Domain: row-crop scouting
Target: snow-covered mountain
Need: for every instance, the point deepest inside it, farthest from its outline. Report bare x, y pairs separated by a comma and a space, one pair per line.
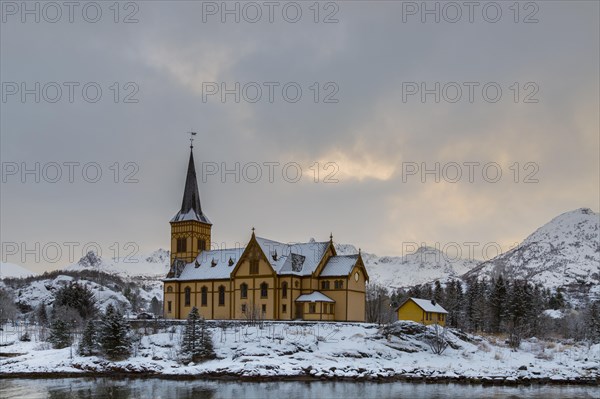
12, 270
154, 265
563, 252
422, 266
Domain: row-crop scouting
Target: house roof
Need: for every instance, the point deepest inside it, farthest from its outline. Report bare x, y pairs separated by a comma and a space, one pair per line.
340, 265
314, 296
425, 304
190, 204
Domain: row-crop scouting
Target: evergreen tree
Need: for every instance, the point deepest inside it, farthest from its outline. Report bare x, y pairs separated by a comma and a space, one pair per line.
155, 306
60, 334
88, 344
438, 293
498, 304
114, 334
42, 314
196, 342
593, 321
78, 297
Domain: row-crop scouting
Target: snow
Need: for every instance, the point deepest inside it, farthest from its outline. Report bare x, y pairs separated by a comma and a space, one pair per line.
422, 266
314, 296
213, 264
553, 313
428, 305
565, 251
155, 264
340, 265
12, 270
322, 350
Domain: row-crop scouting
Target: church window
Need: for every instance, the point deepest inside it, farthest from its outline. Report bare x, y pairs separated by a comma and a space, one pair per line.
284, 308
244, 291
188, 295
169, 289
201, 244
254, 266
324, 285
169, 306
264, 290
204, 296
264, 308
338, 284
284, 290
312, 308
243, 308
221, 296
181, 245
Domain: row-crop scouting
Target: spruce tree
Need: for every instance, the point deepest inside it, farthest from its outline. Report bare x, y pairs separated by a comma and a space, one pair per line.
498, 304
114, 334
196, 342
78, 297
88, 344
60, 334
42, 314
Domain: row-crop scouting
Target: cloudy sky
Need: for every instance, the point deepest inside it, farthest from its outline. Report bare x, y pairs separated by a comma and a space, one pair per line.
384, 97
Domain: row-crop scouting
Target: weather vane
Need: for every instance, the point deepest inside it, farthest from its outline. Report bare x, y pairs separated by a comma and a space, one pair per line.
192, 134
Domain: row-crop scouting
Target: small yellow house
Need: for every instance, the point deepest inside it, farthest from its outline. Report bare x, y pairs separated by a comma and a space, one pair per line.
422, 311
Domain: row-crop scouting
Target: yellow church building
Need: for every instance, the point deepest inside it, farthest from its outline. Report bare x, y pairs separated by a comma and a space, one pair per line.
266, 279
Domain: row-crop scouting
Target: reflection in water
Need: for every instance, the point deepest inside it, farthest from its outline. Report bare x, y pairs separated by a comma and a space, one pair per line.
88, 388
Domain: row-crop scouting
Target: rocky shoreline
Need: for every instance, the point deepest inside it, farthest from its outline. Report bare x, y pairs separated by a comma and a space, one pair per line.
308, 376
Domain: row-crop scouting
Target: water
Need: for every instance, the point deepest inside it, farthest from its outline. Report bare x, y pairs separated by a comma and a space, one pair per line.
169, 389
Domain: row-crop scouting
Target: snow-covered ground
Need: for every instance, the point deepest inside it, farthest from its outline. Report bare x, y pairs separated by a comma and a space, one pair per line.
323, 350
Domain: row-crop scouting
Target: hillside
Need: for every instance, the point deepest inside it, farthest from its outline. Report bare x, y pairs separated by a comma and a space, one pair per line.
563, 252
155, 264
11, 270
423, 266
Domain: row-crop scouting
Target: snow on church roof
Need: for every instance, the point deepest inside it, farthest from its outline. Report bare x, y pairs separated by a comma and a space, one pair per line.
339, 265
298, 259
314, 296
212, 265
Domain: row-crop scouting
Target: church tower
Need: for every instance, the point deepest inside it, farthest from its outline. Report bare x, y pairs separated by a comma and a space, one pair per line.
190, 228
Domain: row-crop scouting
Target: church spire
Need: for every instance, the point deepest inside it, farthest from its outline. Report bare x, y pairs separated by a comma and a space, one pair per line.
190, 205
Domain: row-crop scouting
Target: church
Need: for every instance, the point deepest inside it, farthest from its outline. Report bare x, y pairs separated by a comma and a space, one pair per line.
266, 279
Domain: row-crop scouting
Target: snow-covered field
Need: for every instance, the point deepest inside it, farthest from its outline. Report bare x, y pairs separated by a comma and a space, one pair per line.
322, 350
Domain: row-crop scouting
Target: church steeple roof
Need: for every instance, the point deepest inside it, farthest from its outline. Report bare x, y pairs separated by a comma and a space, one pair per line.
190, 205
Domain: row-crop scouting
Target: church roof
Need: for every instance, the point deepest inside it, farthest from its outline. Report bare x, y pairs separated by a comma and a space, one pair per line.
190, 205
299, 259
212, 265
340, 265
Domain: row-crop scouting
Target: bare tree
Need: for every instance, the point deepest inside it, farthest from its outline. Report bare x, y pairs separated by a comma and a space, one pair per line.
438, 342
379, 305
